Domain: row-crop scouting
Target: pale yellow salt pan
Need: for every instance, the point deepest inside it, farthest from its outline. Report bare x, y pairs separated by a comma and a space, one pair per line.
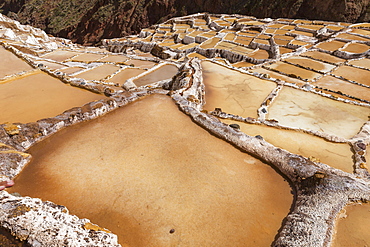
163, 73
99, 72
233, 91
297, 108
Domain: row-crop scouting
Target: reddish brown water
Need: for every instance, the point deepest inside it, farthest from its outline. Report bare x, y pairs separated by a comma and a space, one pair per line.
323, 57
353, 230
11, 64
146, 168
38, 96
294, 70
310, 63
331, 45
337, 155
354, 74
356, 48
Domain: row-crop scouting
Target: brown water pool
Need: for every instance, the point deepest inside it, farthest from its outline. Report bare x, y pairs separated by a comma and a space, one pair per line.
149, 174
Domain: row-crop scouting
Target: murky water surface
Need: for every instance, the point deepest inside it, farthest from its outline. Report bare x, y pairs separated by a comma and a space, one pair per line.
310, 63
294, 71
337, 155
11, 64
260, 54
71, 70
331, 45
354, 229
38, 96
323, 57
234, 92
115, 59
354, 74
356, 48
148, 169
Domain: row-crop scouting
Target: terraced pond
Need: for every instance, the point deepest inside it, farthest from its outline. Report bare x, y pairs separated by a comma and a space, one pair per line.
160, 173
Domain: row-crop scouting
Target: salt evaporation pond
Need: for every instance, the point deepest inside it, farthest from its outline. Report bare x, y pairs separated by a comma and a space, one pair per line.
153, 177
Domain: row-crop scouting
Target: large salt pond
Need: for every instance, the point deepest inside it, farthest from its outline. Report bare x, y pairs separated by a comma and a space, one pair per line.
37, 96
11, 64
153, 177
338, 155
233, 91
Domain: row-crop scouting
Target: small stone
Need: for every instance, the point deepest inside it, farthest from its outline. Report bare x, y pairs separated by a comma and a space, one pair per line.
235, 126
172, 231
314, 159
92, 227
259, 137
11, 129
108, 92
361, 153
217, 110
361, 145
16, 194
363, 166
193, 98
320, 175
307, 86
264, 110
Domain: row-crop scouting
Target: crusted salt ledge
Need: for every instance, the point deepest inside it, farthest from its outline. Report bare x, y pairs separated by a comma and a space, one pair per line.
47, 224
